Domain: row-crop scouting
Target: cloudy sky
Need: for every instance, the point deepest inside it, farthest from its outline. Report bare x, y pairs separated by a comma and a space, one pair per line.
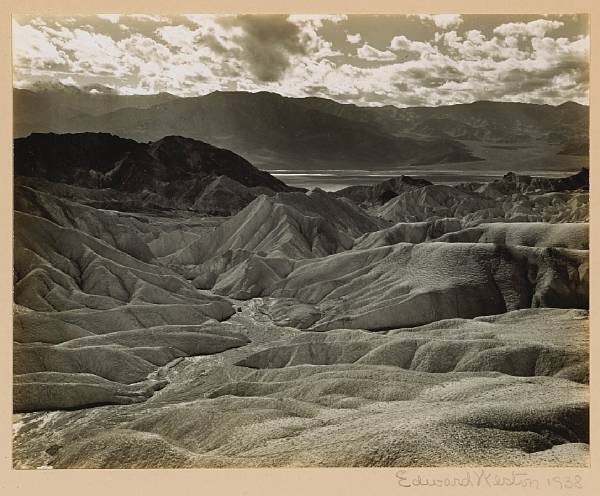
367, 60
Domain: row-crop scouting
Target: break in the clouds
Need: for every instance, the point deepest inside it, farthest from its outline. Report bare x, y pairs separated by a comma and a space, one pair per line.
368, 60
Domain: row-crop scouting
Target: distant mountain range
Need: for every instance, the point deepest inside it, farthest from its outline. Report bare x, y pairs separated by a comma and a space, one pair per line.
482, 120
276, 132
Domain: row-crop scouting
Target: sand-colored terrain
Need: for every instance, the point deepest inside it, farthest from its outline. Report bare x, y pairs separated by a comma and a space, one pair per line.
433, 325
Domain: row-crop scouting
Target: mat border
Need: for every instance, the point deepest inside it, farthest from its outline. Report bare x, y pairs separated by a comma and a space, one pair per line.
280, 481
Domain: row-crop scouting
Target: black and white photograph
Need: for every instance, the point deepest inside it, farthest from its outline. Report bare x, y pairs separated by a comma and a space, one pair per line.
300, 240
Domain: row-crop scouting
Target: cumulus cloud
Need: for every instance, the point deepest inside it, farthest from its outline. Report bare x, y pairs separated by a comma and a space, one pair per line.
178, 36
316, 47
304, 55
401, 44
367, 52
354, 39
34, 49
536, 28
92, 52
443, 21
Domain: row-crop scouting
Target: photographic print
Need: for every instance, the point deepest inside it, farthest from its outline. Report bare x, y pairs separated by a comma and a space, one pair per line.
290, 240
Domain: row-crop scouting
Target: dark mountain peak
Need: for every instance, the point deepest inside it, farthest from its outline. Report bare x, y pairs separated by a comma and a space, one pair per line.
407, 180
65, 157
87, 142
177, 141
187, 154
95, 146
267, 94
245, 94
81, 137
316, 191
512, 182
508, 103
498, 104
571, 105
582, 178
175, 168
382, 192
483, 102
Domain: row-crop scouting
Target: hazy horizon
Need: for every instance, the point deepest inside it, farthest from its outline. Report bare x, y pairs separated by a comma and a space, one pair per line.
87, 90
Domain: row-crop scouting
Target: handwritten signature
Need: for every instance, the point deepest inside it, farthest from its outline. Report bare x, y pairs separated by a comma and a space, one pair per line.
487, 478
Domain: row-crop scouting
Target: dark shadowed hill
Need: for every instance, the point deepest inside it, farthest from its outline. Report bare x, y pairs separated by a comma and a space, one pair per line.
382, 192
522, 184
172, 172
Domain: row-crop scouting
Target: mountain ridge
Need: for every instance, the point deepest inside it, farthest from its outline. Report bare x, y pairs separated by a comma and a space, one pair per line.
276, 132
86, 90
184, 172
